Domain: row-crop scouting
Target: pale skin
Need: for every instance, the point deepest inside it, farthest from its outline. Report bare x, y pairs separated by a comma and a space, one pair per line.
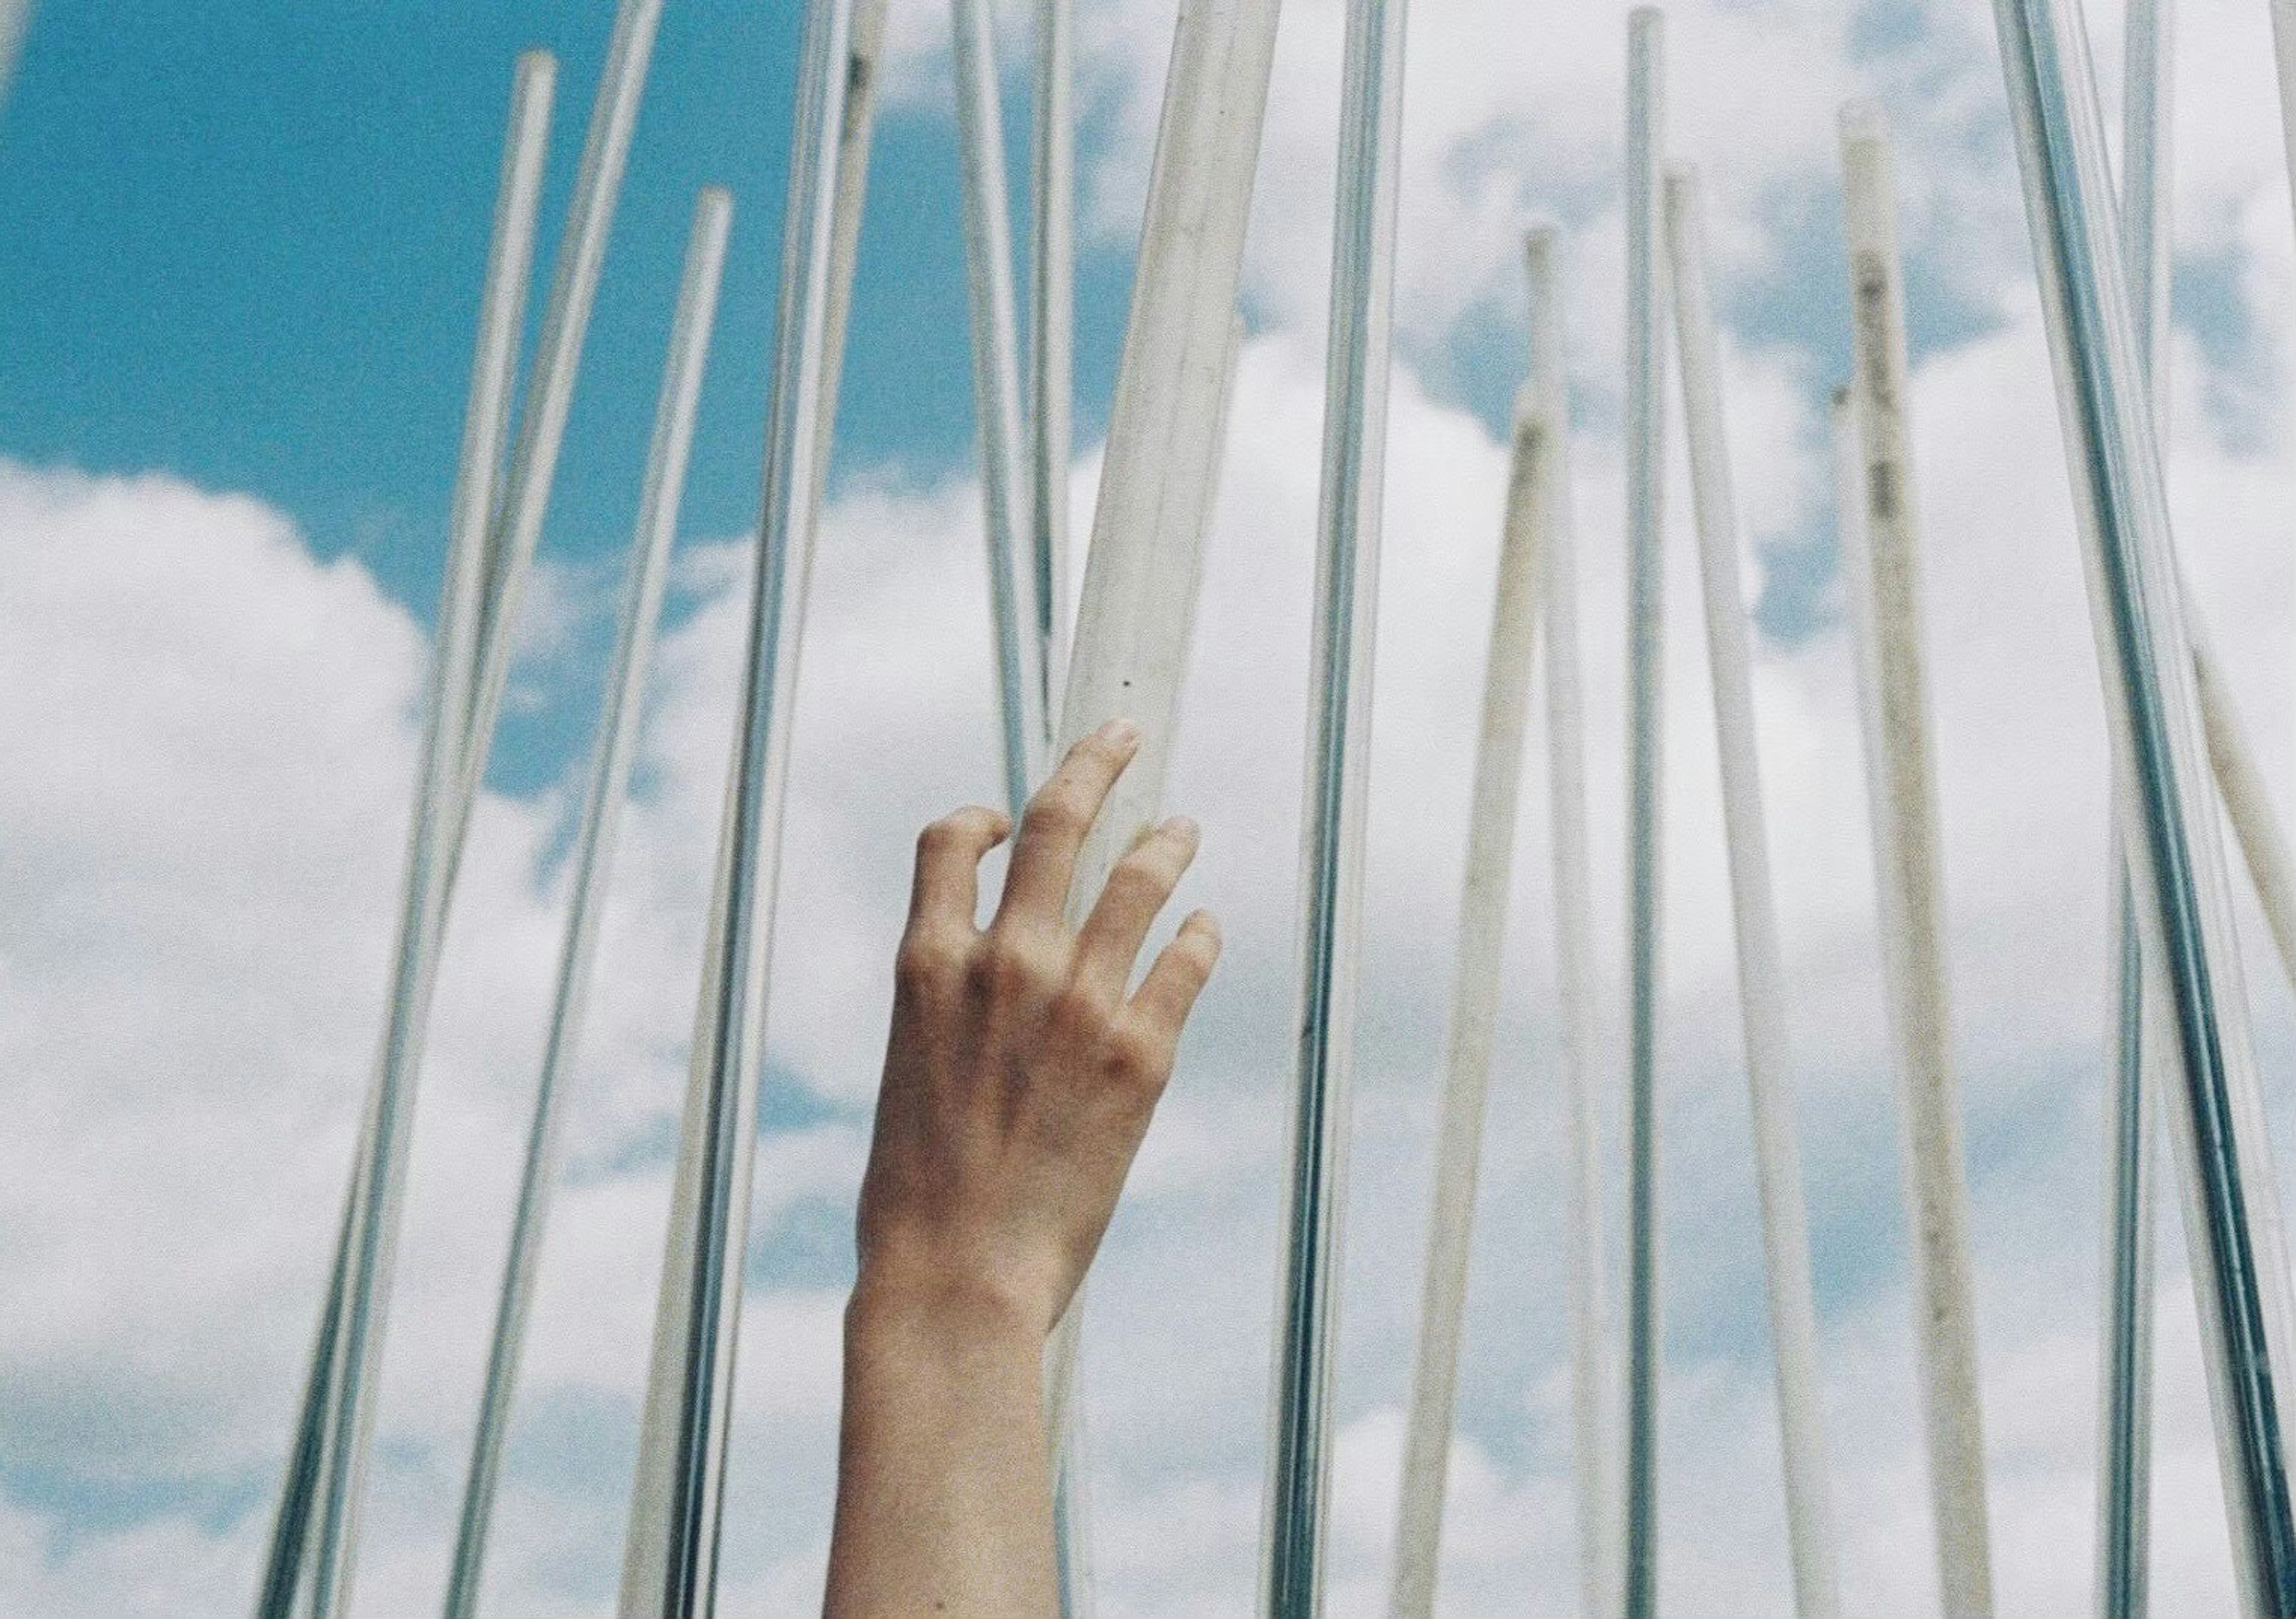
1020, 1078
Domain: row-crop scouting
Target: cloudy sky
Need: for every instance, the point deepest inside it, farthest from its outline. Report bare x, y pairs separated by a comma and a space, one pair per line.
239, 257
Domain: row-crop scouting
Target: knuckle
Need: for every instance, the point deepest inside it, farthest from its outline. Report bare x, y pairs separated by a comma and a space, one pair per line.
1058, 812
1137, 1058
928, 959
1016, 969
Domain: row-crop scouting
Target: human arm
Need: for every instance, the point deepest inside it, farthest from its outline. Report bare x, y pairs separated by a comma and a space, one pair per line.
1019, 1079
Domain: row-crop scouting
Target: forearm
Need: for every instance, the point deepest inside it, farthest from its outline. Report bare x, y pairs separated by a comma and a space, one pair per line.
943, 1504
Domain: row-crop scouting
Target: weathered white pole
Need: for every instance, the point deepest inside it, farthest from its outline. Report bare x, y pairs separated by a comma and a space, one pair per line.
671, 1564
1339, 755
1160, 470
996, 401
2125, 1377
1549, 392
15, 23
593, 855
1761, 959
485, 428
865, 55
1911, 879
1051, 322
1474, 1017
2182, 895
1645, 762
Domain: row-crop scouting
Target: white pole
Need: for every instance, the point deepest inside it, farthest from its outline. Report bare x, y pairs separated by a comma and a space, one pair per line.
1912, 880
2125, 1378
864, 59
671, 1564
15, 23
1160, 470
485, 427
1052, 320
1339, 754
1574, 950
996, 400
2231, 1216
593, 855
1645, 762
1474, 1017
1761, 959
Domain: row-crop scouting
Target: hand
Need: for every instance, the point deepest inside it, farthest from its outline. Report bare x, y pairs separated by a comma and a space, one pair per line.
1020, 1077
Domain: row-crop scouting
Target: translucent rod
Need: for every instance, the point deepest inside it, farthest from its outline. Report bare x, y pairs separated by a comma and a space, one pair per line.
1911, 879
1761, 959
1339, 757
2284, 56
2182, 895
1574, 951
1474, 1017
672, 1560
517, 527
1052, 321
1645, 739
15, 23
996, 401
865, 54
594, 855
494, 367
2132, 1042
1161, 467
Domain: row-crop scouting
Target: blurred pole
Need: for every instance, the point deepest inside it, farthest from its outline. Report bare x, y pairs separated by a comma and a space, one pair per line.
2125, 1379
1911, 879
1474, 1018
1549, 392
1160, 471
15, 23
509, 263
864, 58
1052, 321
1645, 750
2181, 892
1761, 957
670, 1565
594, 855
1339, 755
996, 401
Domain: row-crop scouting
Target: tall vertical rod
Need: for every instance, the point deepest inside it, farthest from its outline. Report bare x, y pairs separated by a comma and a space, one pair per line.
510, 262
1161, 471
1338, 752
593, 855
2125, 1379
1051, 328
1645, 739
997, 399
682, 1497
1761, 957
15, 23
1474, 1017
1591, 1366
2183, 900
865, 57
1909, 856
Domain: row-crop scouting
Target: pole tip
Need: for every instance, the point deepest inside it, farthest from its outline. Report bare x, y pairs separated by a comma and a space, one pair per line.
1863, 120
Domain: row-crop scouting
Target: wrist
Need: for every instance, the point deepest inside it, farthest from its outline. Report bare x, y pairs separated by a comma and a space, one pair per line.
922, 1307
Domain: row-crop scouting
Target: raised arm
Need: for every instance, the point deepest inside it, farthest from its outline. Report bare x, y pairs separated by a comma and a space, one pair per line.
1019, 1080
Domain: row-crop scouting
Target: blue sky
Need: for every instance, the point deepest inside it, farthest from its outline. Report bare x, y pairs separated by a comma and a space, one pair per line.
239, 261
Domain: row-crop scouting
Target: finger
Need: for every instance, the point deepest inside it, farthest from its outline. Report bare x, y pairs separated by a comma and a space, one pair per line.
1167, 995
947, 891
1136, 891
1056, 822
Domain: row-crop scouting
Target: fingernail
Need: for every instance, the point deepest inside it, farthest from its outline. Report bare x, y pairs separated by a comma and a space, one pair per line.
1120, 733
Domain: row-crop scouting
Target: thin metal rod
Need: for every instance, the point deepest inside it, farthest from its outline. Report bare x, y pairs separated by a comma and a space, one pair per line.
485, 428
2284, 57
15, 23
1051, 322
2247, 800
1474, 1019
1331, 853
1549, 393
2183, 901
593, 855
1160, 471
996, 401
673, 1562
1645, 762
1911, 880
2125, 1379
864, 56
1761, 957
